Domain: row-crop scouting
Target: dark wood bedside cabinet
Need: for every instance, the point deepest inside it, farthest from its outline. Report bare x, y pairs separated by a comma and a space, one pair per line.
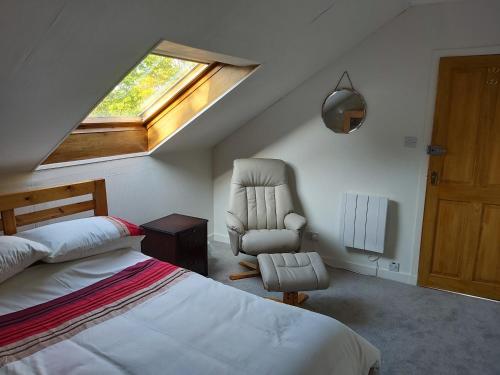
178, 239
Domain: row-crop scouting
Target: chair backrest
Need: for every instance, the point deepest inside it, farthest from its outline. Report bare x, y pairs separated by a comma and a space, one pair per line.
260, 196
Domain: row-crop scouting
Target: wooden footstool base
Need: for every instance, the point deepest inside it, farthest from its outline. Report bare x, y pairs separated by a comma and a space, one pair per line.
292, 298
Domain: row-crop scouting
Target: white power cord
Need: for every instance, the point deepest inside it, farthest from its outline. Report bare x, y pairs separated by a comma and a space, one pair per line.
374, 258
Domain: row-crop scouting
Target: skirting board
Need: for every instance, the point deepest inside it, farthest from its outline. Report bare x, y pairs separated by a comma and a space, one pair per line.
219, 237
370, 270
364, 269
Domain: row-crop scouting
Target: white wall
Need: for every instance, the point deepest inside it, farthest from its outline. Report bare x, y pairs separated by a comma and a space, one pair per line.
139, 189
395, 69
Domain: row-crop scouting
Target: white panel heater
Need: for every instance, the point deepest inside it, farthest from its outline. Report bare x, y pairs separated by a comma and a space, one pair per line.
365, 217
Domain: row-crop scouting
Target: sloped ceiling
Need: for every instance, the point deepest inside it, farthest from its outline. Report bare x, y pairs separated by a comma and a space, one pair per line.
59, 57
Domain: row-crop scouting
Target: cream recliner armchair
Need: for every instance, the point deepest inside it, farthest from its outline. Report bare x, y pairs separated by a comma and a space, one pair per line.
260, 217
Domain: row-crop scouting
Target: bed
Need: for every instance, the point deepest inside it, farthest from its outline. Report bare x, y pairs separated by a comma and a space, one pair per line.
122, 312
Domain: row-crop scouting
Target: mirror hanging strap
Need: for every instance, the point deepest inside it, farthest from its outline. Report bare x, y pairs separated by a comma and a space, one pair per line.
346, 73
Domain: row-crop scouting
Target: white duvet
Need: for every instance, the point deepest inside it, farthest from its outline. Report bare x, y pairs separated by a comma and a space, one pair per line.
197, 326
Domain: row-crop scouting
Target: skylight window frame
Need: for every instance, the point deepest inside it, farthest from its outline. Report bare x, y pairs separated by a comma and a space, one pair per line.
109, 138
147, 115
175, 91
91, 143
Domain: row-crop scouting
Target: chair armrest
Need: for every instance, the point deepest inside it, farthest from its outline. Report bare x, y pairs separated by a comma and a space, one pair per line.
233, 223
294, 221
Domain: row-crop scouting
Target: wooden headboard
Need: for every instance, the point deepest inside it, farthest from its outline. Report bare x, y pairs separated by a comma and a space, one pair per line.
9, 202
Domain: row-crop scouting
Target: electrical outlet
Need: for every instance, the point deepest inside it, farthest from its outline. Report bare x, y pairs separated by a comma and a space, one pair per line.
394, 266
411, 141
312, 236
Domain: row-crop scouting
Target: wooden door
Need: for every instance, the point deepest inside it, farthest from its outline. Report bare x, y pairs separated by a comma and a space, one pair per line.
461, 231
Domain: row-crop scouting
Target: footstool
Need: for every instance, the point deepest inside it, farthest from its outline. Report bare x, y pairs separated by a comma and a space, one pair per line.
291, 273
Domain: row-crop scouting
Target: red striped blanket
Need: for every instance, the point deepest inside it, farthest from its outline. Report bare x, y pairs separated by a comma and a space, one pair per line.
25, 332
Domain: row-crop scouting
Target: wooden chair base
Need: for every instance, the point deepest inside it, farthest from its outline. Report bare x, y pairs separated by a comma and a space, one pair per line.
254, 271
292, 298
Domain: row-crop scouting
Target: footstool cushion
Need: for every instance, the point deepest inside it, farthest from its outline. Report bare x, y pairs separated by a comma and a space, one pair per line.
293, 272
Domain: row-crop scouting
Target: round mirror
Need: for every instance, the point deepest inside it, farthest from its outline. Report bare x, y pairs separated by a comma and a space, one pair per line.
344, 111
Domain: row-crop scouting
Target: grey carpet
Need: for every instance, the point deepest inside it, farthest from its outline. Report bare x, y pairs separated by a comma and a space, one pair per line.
418, 330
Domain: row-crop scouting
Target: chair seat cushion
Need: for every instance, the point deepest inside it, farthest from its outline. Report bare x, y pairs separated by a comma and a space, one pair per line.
293, 272
258, 241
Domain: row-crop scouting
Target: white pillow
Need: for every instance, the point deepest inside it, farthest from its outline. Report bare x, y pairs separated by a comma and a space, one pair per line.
133, 242
18, 253
74, 239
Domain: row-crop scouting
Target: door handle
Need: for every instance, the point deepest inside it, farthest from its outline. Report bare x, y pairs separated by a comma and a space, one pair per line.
434, 178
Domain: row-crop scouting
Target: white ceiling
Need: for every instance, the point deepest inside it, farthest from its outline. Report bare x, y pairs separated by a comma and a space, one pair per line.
59, 57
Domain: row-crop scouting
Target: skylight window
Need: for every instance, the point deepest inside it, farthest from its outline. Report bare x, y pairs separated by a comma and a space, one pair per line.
144, 90
162, 94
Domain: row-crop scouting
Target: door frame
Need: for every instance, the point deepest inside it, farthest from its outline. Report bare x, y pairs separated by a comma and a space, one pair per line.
427, 139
